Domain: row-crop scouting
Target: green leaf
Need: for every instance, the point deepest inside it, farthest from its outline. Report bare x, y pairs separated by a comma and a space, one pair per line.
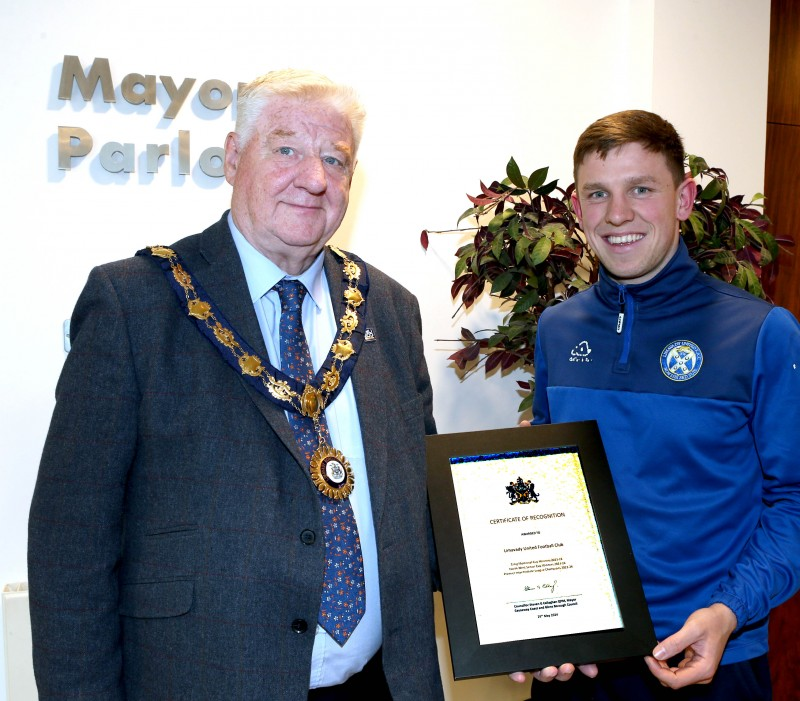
722, 221
515, 330
514, 174
526, 301
497, 244
725, 257
697, 164
501, 282
753, 230
466, 250
555, 231
496, 339
495, 223
697, 222
541, 250
771, 244
537, 178
498, 220
461, 266
526, 403
547, 189
739, 238
753, 283
468, 213
578, 283
521, 249
711, 190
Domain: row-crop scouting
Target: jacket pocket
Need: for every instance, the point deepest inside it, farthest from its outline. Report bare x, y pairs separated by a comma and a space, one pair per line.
156, 599
158, 570
160, 555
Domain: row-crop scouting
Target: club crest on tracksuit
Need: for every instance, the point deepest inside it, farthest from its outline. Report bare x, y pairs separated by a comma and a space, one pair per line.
681, 360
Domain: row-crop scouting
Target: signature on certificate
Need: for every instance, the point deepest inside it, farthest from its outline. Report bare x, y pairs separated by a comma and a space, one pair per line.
546, 585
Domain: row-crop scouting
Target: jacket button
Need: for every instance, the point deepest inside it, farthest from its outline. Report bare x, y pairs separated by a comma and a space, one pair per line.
299, 625
308, 537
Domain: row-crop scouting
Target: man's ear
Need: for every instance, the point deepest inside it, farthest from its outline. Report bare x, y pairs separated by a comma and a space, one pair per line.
576, 205
687, 191
231, 161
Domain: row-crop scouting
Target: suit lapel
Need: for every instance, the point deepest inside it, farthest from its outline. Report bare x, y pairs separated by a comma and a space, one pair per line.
219, 270
371, 417
217, 267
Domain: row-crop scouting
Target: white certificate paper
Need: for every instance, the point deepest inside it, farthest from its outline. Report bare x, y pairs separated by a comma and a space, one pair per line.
534, 555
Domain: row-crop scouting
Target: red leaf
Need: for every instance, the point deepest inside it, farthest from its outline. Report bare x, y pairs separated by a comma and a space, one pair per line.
458, 360
458, 283
508, 360
493, 361
478, 201
488, 192
473, 291
423, 239
471, 352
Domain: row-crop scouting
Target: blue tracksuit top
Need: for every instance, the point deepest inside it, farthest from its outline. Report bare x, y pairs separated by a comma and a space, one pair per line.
695, 385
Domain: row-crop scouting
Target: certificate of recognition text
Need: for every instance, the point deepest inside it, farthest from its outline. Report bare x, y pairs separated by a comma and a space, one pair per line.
534, 554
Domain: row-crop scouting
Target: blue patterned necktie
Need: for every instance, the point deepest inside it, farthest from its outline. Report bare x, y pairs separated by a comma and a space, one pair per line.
343, 594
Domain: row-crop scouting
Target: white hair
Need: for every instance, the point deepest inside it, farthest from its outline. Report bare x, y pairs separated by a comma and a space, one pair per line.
254, 97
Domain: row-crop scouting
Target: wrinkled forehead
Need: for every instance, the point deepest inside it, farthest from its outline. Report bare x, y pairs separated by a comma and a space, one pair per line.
318, 120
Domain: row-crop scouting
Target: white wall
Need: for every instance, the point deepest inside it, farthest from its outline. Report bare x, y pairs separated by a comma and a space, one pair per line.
710, 69
453, 89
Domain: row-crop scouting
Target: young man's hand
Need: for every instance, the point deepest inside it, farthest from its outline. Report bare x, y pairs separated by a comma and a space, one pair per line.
562, 673
702, 640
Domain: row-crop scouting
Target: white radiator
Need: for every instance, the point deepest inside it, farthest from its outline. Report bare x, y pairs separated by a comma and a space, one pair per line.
20, 684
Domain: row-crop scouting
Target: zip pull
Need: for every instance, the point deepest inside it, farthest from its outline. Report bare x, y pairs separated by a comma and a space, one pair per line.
621, 315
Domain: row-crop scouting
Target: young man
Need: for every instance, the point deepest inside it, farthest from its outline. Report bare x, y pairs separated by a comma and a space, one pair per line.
214, 453
694, 385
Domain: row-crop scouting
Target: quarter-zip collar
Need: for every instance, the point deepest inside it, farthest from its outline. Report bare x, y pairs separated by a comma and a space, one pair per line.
661, 290
647, 298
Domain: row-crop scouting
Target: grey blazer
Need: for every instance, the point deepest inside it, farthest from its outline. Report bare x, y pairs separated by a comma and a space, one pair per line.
175, 547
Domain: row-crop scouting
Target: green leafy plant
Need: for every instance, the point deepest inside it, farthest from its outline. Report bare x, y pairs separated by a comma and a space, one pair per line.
726, 237
528, 250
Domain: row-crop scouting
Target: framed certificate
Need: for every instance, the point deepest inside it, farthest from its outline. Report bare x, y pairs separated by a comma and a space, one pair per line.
535, 561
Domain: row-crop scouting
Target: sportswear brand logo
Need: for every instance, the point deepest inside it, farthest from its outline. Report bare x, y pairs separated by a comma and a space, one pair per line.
581, 353
681, 360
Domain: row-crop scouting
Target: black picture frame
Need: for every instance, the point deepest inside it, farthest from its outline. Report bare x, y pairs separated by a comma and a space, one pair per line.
471, 659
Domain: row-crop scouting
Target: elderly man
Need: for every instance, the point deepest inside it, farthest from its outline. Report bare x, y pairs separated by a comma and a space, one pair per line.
231, 501
694, 385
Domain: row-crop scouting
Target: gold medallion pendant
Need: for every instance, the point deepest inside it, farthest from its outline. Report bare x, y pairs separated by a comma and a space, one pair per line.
331, 472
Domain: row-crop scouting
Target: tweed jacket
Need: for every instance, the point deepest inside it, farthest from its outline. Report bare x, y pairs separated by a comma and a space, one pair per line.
175, 536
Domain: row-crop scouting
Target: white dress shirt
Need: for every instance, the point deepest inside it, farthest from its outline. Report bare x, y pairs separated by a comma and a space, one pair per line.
330, 663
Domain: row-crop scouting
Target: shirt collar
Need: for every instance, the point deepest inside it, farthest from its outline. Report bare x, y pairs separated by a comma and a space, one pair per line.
261, 273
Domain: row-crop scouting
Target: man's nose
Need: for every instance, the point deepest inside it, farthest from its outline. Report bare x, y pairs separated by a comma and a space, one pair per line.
619, 211
311, 175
